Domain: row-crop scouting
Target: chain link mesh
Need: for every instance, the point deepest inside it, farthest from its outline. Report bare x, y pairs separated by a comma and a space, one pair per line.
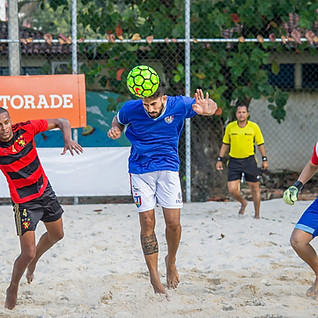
266, 57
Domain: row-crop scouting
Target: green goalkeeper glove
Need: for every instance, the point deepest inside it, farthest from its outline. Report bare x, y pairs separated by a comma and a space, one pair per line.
291, 194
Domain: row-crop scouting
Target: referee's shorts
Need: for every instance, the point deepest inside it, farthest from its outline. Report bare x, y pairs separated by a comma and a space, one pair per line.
248, 166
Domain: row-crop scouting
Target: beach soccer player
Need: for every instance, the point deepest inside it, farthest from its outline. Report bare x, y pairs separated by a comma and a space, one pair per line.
153, 126
306, 228
32, 196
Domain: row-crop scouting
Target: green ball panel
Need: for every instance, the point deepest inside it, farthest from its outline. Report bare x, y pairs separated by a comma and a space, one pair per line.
147, 85
139, 80
154, 78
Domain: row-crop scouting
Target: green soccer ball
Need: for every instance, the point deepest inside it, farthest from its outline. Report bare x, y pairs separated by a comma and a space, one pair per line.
143, 81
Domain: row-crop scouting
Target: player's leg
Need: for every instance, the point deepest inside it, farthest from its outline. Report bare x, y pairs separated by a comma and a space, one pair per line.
252, 177
235, 169
27, 245
305, 230
173, 235
300, 242
150, 248
234, 190
143, 190
169, 196
52, 212
53, 234
254, 186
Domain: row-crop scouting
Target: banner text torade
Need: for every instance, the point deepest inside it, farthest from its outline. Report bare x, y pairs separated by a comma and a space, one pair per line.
36, 102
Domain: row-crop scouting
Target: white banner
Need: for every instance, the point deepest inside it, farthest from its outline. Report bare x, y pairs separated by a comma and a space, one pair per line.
96, 172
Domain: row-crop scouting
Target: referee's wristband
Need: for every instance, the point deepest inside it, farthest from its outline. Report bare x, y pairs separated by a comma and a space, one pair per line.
220, 158
264, 158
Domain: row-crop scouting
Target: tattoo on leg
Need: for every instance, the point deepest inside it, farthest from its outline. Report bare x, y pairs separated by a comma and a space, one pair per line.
149, 244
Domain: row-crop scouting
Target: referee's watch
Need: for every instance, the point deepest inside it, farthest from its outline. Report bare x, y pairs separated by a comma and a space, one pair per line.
264, 158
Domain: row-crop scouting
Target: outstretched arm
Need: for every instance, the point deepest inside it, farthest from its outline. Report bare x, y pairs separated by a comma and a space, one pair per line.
116, 130
308, 172
65, 127
291, 194
204, 105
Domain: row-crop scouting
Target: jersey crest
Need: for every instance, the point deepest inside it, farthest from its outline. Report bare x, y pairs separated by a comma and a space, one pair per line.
169, 119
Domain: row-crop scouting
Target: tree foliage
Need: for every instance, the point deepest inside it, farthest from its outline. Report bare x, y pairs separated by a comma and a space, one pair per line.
228, 73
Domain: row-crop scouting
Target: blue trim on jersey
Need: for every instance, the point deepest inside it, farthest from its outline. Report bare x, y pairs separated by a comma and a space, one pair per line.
155, 141
305, 228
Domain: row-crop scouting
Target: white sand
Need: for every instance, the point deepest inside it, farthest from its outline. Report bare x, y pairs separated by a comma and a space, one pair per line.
229, 266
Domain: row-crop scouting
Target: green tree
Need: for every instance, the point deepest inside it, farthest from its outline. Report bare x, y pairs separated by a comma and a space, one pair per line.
230, 72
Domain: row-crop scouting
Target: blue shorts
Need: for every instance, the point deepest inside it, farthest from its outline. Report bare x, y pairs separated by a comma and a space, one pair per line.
308, 222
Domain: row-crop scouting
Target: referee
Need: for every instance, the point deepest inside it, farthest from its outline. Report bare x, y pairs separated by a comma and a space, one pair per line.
239, 139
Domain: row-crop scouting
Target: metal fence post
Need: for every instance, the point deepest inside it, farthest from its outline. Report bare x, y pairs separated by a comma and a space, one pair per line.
74, 61
187, 92
14, 44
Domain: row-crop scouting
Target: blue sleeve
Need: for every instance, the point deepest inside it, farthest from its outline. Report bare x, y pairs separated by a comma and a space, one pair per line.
122, 115
188, 102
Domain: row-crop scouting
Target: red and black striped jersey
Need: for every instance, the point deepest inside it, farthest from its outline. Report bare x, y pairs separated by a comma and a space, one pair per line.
20, 163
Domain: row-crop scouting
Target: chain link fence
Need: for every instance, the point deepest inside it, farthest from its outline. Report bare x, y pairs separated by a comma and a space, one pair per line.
265, 56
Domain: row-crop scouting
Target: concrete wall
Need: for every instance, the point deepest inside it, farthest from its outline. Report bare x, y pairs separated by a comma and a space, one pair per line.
289, 144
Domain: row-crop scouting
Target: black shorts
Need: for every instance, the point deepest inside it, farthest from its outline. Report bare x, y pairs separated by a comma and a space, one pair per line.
248, 166
45, 208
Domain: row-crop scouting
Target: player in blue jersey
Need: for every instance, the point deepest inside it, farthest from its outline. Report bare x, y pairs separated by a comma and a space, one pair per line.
306, 228
154, 126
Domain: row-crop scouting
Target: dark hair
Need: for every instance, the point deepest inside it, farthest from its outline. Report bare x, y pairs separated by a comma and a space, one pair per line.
159, 92
3, 110
241, 104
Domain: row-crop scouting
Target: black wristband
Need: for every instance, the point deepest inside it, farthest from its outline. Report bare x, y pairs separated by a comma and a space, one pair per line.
299, 185
220, 158
264, 158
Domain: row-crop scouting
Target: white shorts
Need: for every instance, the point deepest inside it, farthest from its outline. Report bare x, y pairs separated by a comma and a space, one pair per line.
162, 187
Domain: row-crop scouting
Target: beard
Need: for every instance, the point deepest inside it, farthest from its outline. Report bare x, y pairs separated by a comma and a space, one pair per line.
156, 114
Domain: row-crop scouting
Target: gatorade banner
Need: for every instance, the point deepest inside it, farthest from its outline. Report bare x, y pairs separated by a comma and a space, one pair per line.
45, 96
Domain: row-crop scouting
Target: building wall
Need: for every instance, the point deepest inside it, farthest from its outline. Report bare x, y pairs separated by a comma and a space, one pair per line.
289, 144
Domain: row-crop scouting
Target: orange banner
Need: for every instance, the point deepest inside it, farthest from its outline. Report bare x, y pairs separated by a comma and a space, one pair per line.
44, 97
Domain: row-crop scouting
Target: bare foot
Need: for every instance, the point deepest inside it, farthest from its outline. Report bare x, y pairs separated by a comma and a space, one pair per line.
243, 206
158, 287
11, 299
29, 275
256, 216
312, 290
172, 274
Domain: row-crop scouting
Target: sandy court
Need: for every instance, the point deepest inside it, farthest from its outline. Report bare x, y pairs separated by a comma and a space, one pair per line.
229, 266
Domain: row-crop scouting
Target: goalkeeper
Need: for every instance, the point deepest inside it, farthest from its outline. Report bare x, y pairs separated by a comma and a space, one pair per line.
307, 227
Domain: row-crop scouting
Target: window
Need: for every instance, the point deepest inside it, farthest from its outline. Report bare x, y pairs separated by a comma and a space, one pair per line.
309, 75
61, 68
285, 78
295, 76
26, 70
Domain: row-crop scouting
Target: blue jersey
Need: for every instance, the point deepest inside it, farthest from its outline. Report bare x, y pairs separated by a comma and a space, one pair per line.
155, 140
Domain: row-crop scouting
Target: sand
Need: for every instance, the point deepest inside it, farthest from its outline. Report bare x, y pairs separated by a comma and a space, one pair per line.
229, 266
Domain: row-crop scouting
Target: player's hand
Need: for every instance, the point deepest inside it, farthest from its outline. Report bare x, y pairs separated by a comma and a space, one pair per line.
219, 165
291, 195
204, 105
114, 133
264, 165
72, 146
